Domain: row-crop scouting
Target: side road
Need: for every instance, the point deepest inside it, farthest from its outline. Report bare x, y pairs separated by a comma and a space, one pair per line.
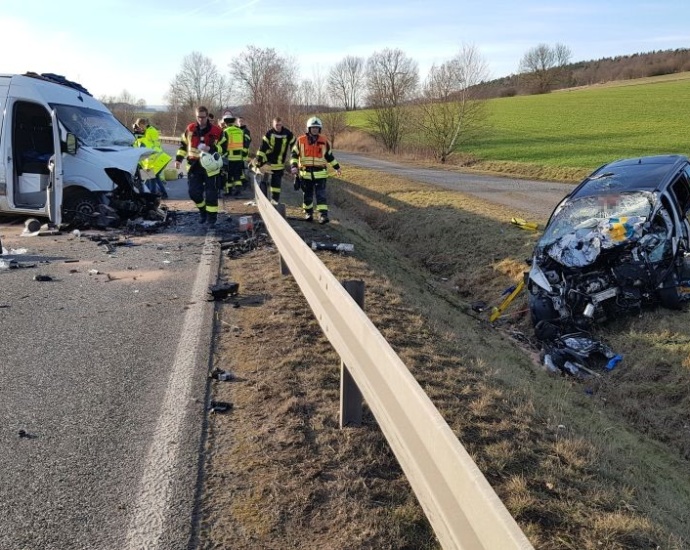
536, 197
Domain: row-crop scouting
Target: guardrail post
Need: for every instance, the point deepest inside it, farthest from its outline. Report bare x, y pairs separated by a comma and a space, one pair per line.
350, 396
284, 269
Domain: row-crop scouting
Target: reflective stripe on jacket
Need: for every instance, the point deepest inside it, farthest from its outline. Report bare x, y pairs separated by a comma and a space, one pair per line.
235, 146
158, 160
274, 148
313, 154
194, 135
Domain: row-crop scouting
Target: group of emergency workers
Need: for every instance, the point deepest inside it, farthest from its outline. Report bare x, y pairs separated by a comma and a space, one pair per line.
217, 156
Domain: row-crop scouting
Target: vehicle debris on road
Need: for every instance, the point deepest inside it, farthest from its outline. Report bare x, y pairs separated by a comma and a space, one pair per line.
334, 247
220, 407
221, 291
523, 224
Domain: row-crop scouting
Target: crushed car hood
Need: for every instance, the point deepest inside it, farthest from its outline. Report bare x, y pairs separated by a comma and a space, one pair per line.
582, 246
123, 158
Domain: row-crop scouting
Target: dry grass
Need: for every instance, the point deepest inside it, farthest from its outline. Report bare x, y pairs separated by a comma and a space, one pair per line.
579, 467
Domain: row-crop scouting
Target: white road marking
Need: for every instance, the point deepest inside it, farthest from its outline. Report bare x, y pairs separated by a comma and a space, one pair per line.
150, 511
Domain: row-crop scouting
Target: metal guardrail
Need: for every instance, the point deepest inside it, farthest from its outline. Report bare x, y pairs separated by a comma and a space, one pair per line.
463, 509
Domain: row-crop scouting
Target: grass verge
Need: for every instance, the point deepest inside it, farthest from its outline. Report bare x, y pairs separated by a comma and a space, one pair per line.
580, 466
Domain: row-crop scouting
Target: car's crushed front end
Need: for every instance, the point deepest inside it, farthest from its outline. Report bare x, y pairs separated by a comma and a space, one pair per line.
609, 248
587, 268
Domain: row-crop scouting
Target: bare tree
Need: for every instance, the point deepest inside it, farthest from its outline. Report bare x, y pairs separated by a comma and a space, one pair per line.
319, 87
173, 120
543, 66
124, 107
451, 111
334, 124
392, 79
267, 82
197, 83
345, 82
222, 94
306, 94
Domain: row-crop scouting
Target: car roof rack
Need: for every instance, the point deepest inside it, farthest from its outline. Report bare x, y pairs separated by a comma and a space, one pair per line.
59, 79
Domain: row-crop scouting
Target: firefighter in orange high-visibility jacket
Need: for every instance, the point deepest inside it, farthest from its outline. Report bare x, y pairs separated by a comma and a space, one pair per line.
309, 160
202, 143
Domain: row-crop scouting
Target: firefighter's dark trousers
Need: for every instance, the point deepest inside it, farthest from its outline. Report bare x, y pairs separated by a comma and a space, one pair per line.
311, 187
276, 181
203, 191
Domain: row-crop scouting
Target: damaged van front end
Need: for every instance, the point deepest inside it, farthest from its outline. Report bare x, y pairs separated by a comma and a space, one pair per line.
102, 181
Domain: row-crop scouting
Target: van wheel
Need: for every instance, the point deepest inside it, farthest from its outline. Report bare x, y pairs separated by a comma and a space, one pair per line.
79, 206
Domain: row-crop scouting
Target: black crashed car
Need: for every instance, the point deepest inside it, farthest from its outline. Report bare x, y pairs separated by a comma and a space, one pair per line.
616, 243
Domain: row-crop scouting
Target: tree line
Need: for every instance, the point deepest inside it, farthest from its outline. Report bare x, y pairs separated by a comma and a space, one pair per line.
442, 112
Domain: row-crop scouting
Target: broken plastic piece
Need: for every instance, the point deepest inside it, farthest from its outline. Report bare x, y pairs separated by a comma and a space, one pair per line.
549, 364
613, 362
335, 247
246, 223
222, 375
42, 278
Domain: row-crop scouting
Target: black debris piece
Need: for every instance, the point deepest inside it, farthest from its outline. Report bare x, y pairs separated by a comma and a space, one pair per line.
222, 375
42, 278
220, 407
479, 307
222, 290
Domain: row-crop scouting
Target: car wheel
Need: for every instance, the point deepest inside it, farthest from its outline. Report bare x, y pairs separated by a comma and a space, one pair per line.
541, 308
79, 206
670, 295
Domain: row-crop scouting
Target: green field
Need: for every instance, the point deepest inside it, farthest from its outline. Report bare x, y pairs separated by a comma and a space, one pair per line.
585, 127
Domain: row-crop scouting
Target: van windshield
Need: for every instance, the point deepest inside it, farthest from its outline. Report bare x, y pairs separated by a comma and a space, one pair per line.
93, 128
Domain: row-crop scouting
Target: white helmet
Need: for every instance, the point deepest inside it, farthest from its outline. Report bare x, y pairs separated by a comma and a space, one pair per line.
314, 122
212, 163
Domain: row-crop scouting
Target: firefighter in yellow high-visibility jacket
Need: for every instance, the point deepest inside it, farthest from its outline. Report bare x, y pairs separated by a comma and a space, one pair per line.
148, 136
309, 160
235, 147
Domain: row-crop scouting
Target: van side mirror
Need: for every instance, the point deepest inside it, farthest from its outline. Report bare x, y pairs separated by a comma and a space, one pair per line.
71, 143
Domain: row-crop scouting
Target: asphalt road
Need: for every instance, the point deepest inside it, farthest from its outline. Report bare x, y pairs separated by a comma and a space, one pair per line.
534, 198
102, 386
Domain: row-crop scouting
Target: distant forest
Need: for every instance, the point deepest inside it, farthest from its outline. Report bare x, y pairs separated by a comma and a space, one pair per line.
586, 73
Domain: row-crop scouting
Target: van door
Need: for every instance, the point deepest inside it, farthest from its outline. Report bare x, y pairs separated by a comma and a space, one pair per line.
54, 198
33, 144
4, 89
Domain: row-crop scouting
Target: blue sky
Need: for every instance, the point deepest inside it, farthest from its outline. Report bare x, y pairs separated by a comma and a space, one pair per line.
139, 46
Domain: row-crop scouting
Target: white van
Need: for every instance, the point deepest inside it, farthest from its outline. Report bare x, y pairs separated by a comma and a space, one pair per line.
62, 152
